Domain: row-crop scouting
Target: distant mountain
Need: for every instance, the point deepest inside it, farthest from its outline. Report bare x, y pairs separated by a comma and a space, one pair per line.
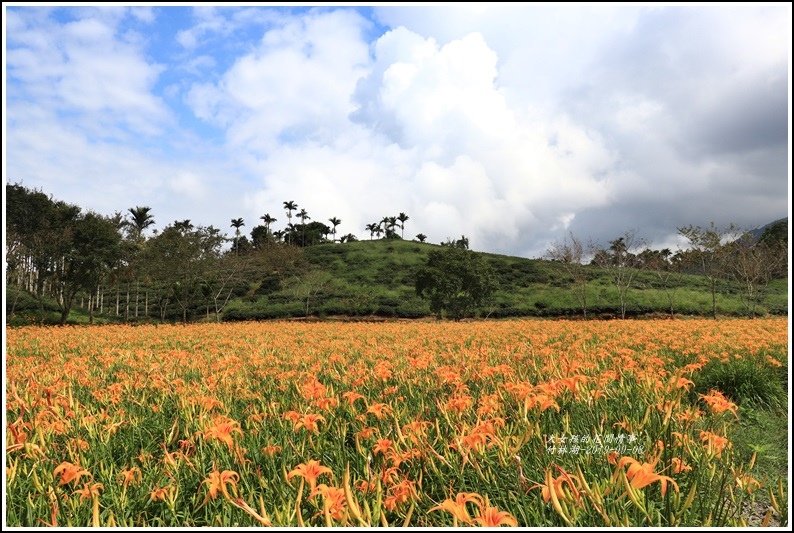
756, 233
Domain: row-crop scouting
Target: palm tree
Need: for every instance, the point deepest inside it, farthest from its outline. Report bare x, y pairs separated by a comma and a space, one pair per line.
290, 206
335, 221
421, 237
268, 220
303, 215
141, 219
237, 223
402, 217
371, 229
392, 221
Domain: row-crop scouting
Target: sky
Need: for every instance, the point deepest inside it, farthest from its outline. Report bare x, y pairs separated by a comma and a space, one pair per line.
515, 125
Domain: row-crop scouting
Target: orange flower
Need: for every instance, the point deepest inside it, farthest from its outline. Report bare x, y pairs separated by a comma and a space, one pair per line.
683, 383
493, 517
222, 430
399, 494
748, 483
336, 500
271, 450
326, 403
556, 485
89, 490
163, 493
379, 410
310, 472
351, 397
679, 466
714, 443
217, 482
642, 475
383, 446
719, 403
130, 475
69, 472
367, 432
309, 421
458, 506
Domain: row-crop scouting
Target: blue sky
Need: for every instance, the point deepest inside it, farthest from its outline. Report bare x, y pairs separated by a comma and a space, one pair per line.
510, 124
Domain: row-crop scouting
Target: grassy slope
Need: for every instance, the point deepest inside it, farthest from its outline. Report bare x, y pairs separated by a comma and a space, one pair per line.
377, 277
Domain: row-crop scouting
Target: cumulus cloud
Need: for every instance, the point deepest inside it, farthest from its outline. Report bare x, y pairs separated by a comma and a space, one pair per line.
510, 124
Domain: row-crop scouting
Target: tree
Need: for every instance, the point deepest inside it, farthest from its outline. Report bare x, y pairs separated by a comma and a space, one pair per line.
456, 281
621, 263
140, 220
290, 206
753, 264
570, 255
707, 254
371, 229
94, 250
667, 269
775, 238
348, 238
182, 257
303, 215
335, 221
237, 223
421, 237
402, 217
268, 220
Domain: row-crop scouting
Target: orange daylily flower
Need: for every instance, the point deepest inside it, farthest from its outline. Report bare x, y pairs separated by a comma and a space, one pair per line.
679, 466
493, 517
129, 476
399, 494
310, 472
69, 472
368, 432
351, 397
309, 421
162, 493
271, 450
383, 446
222, 430
748, 483
458, 506
641, 474
379, 410
337, 504
714, 443
557, 485
89, 490
217, 481
719, 403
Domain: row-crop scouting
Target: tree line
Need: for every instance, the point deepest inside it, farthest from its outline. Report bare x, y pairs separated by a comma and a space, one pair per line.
720, 255
120, 265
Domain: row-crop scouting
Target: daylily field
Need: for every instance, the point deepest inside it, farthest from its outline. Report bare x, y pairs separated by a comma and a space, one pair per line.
528, 423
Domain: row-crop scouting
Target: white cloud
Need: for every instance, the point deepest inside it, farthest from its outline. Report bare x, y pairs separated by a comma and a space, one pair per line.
511, 125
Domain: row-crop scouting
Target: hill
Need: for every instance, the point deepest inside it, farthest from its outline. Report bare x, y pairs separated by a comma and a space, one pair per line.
375, 279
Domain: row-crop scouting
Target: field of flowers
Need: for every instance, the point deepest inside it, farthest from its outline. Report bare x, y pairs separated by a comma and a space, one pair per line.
528, 423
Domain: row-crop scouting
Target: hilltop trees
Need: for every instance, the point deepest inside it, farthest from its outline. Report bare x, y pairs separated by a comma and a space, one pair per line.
621, 262
706, 254
455, 280
570, 254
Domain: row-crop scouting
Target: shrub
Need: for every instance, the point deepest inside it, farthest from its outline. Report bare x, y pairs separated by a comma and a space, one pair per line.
745, 379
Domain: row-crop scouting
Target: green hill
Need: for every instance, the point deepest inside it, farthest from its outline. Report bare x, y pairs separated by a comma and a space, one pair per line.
374, 279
